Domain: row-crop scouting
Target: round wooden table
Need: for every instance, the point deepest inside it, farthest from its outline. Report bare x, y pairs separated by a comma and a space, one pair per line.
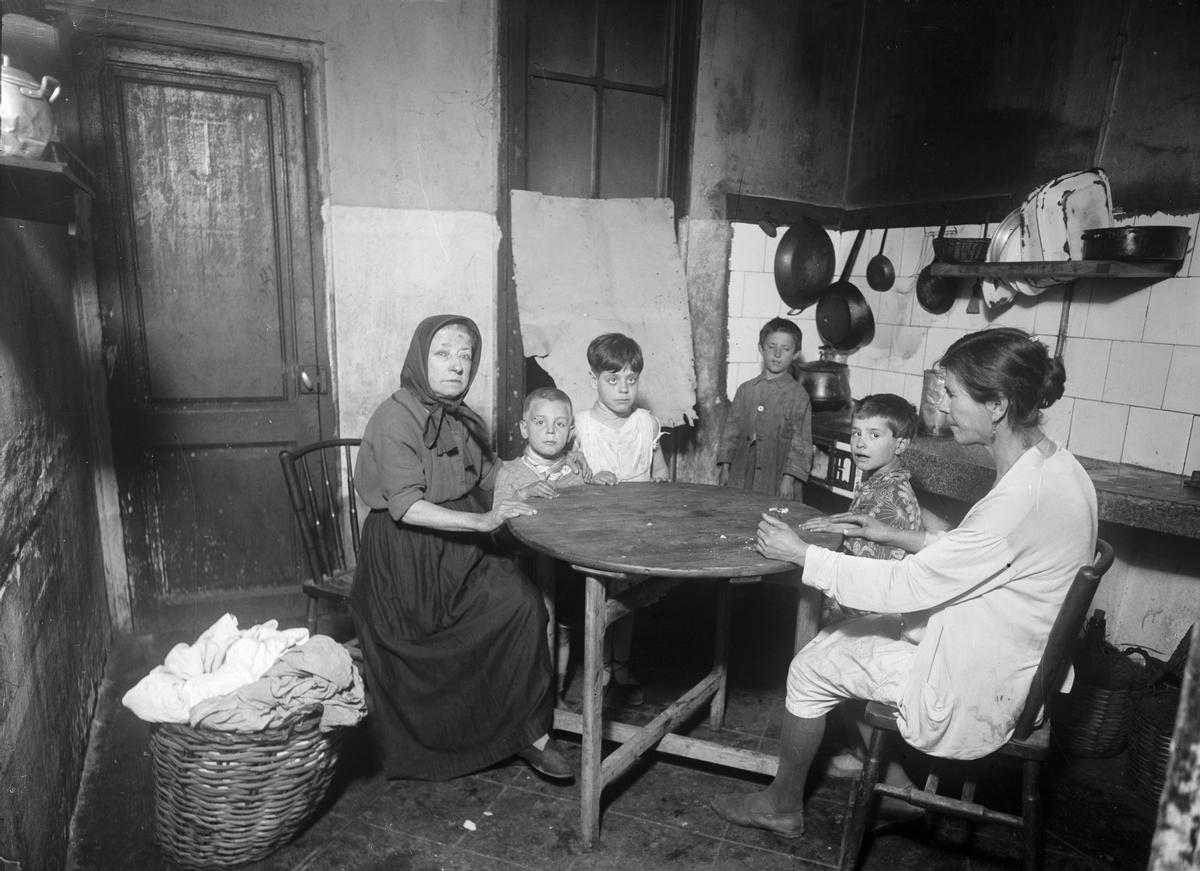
658, 536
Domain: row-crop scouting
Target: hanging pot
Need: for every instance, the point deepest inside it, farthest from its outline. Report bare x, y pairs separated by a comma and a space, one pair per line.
936, 293
803, 264
844, 319
826, 380
881, 274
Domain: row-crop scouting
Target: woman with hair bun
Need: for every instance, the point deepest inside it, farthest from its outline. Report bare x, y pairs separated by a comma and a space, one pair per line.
964, 618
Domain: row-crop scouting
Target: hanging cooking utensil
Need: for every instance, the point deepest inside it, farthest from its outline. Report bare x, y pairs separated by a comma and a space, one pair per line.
881, 275
804, 264
826, 380
976, 297
844, 319
936, 293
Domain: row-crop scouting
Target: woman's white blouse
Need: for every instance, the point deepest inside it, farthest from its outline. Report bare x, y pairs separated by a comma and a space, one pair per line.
992, 586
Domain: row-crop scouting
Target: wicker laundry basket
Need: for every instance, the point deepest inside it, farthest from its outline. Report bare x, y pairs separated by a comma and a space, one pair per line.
1152, 724
224, 799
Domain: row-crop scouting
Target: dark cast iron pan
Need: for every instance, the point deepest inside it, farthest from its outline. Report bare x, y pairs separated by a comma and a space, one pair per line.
936, 293
803, 264
844, 319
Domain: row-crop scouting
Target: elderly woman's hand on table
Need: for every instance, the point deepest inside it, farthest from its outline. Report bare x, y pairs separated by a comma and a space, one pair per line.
506, 510
777, 540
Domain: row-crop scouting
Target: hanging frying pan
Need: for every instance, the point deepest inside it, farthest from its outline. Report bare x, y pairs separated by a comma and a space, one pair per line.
803, 264
844, 319
936, 293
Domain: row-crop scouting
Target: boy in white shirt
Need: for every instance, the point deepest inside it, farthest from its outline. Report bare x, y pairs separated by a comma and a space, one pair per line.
620, 443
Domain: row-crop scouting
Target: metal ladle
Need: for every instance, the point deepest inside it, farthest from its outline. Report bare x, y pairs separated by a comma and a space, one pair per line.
881, 275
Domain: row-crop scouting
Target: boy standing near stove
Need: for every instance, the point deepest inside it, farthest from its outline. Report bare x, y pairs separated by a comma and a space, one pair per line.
766, 442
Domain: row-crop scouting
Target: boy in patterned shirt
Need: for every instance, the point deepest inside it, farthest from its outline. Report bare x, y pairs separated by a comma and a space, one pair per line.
881, 429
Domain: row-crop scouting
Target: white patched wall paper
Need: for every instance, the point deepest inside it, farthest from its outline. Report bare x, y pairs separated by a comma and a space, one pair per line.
585, 267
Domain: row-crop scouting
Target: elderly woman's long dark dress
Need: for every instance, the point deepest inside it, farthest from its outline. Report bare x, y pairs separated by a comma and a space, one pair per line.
453, 634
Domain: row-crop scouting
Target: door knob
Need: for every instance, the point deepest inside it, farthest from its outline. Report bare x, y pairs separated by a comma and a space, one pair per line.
312, 380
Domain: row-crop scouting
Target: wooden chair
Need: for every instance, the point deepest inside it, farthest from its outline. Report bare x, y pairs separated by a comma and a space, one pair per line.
320, 484
1030, 743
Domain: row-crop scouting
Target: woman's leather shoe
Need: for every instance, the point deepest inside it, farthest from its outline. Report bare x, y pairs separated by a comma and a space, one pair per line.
735, 809
549, 761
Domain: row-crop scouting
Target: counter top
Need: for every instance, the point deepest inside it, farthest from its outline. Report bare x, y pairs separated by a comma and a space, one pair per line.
1126, 495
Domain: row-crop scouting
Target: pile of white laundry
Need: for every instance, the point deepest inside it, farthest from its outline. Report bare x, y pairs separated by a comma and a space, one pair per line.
251, 679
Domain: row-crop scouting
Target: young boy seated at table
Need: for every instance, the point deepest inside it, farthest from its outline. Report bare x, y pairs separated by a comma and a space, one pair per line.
766, 441
544, 467
881, 428
618, 439
620, 443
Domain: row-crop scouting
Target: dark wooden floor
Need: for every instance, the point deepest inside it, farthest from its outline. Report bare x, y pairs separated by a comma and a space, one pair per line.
508, 818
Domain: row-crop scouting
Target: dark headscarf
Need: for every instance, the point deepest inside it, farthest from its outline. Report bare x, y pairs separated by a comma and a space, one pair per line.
415, 377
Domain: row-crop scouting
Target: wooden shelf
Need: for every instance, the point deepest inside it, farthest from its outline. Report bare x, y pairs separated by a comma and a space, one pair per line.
1064, 269
42, 190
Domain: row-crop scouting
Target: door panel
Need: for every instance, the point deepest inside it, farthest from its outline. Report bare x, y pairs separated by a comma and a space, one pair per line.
205, 242
204, 537
210, 307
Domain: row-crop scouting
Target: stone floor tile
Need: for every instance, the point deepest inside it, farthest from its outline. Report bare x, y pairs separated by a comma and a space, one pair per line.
738, 856
525, 828
433, 811
629, 842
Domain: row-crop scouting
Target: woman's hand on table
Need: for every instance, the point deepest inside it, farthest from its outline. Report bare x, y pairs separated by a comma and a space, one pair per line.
776, 540
870, 528
506, 510
854, 525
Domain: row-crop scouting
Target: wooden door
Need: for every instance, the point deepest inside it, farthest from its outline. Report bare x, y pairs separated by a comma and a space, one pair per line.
213, 330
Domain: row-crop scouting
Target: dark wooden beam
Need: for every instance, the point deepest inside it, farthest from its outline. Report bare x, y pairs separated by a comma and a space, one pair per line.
751, 210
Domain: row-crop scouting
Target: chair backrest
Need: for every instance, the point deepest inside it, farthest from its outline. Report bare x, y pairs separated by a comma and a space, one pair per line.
1056, 659
320, 484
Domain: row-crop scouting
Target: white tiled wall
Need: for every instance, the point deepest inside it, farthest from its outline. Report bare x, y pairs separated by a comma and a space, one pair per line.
1132, 351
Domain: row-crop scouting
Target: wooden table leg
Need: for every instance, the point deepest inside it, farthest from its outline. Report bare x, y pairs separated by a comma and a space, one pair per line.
591, 782
716, 715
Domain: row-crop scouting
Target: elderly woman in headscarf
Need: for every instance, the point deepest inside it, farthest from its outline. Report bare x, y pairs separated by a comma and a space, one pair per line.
453, 633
